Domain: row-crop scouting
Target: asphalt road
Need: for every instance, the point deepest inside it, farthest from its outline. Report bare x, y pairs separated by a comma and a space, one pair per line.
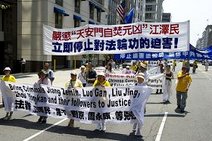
195, 125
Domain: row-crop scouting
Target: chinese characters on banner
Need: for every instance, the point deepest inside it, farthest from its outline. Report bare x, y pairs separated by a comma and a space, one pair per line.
117, 39
87, 105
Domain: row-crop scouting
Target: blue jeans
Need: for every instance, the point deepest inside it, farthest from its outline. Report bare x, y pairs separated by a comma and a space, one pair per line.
181, 100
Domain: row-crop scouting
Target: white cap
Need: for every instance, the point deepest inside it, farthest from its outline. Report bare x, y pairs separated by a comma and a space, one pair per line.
141, 75
101, 74
82, 66
144, 65
127, 67
7, 69
73, 73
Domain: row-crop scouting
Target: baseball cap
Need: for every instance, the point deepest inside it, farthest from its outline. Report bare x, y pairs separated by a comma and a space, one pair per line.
7, 69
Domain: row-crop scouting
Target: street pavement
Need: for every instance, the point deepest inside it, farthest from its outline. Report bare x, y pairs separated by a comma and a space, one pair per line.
195, 125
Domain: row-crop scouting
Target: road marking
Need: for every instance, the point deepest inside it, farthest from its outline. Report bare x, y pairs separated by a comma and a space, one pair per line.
160, 131
31, 137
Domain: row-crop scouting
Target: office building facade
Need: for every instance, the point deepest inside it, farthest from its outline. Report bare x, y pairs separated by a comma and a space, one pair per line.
21, 27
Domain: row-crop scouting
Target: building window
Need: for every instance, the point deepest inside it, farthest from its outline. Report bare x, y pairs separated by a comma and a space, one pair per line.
98, 15
149, 16
59, 2
91, 11
76, 23
58, 20
150, 1
77, 6
150, 8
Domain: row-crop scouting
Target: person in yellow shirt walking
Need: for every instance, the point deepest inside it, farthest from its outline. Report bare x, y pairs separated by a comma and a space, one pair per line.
8, 99
184, 81
101, 82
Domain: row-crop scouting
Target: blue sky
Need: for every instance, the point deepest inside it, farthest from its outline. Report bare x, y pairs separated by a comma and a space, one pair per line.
198, 12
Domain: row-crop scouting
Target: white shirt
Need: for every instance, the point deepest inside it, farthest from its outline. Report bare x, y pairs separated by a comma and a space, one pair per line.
45, 81
82, 77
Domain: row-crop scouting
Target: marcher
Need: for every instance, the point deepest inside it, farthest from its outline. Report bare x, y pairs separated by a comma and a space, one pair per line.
8, 99
109, 68
137, 126
90, 74
82, 75
184, 81
133, 67
101, 82
167, 84
143, 69
206, 65
73, 83
43, 79
194, 66
127, 70
50, 72
174, 64
23, 64
186, 63
161, 66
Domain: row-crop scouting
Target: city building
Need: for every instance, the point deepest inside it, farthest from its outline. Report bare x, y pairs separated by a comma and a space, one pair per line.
147, 10
21, 25
166, 17
206, 39
8, 34
112, 14
153, 10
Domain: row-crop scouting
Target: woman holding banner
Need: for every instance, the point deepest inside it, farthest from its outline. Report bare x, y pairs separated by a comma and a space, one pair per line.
138, 124
8, 99
101, 82
71, 84
167, 84
43, 79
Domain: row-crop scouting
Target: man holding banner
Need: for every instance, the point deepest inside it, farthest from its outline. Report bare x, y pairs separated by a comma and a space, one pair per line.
8, 96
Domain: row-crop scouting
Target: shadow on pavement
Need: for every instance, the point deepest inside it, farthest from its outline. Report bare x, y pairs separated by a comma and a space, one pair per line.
70, 131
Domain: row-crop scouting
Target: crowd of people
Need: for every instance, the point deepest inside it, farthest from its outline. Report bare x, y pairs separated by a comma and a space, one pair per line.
89, 77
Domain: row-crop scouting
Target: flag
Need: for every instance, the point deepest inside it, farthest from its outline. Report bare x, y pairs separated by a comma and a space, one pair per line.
120, 9
129, 17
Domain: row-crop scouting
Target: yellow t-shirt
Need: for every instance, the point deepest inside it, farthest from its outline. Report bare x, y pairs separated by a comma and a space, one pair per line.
74, 84
9, 78
104, 83
183, 83
134, 68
